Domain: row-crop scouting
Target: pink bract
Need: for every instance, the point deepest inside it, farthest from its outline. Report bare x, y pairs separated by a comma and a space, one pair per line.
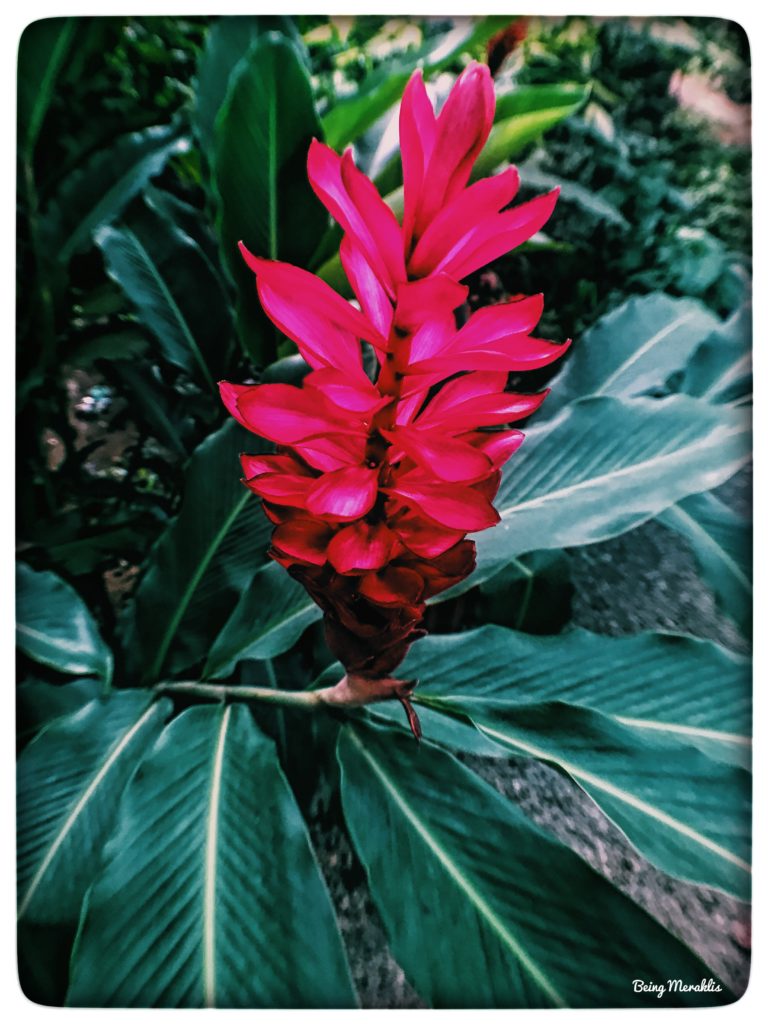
375, 485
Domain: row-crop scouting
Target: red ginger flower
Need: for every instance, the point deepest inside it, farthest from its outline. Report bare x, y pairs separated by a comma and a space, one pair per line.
374, 486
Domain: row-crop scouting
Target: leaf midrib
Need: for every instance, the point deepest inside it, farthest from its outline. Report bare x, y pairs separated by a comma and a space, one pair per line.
454, 872
192, 585
168, 298
642, 350
630, 799
78, 808
635, 467
709, 541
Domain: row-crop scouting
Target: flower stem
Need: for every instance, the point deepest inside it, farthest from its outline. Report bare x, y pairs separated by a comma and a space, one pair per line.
292, 698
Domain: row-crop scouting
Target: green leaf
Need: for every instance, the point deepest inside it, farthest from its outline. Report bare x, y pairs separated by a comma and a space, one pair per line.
626, 677
43, 49
98, 191
587, 200
632, 349
227, 42
54, 626
350, 116
262, 136
511, 134
498, 913
605, 465
69, 780
210, 894
686, 812
201, 564
722, 545
169, 282
721, 367
39, 703
268, 619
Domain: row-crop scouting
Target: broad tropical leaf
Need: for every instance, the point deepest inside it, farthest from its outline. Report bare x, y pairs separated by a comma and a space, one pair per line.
510, 135
268, 619
201, 564
69, 780
228, 40
721, 367
587, 200
210, 894
169, 282
98, 192
43, 49
686, 812
682, 687
262, 137
631, 349
605, 465
54, 626
498, 913
38, 703
722, 545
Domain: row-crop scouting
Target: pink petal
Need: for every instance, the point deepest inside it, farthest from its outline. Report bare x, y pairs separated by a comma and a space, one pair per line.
324, 168
394, 585
361, 546
230, 393
517, 353
367, 287
431, 339
454, 461
417, 139
258, 465
380, 219
354, 393
495, 323
282, 488
486, 411
408, 406
345, 493
497, 235
456, 221
304, 539
286, 414
455, 506
469, 385
430, 298
461, 132
498, 446
424, 537
324, 325
333, 451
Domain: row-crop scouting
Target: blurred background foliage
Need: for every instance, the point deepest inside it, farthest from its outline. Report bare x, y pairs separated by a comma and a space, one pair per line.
147, 147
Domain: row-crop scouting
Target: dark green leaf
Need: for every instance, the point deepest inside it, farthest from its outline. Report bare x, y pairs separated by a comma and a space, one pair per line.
722, 545
210, 894
262, 136
43, 48
627, 677
268, 619
170, 283
228, 41
497, 913
39, 703
634, 348
98, 192
201, 564
54, 627
69, 779
605, 465
688, 813
721, 367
